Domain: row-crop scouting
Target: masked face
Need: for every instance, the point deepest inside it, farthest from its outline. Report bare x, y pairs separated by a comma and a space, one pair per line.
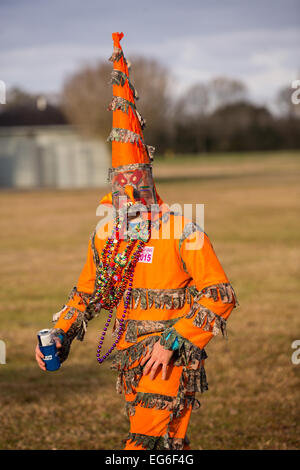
136, 185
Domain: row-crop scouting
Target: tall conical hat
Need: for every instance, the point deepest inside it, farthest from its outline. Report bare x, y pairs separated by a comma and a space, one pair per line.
129, 151
127, 138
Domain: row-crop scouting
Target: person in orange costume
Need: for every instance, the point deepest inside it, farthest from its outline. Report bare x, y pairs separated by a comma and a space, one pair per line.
171, 295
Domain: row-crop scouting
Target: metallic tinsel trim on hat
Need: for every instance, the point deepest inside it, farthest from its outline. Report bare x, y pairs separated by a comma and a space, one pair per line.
119, 78
120, 103
150, 151
129, 167
116, 55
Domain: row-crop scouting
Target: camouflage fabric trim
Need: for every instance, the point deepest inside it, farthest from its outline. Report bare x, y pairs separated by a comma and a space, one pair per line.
77, 330
160, 298
187, 353
116, 55
163, 219
189, 228
120, 78
131, 377
223, 291
84, 296
95, 252
120, 103
160, 402
205, 317
62, 352
79, 326
70, 313
131, 167
124, 135
136, 328
150, 151
156, 442
125, 357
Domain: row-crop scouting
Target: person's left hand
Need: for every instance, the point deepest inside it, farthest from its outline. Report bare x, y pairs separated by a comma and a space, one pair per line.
159, 356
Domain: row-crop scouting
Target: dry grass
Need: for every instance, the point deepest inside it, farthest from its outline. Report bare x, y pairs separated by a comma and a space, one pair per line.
252, 217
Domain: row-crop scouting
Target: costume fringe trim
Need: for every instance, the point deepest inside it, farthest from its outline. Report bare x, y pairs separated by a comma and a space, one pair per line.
161, 402
125, 357
156, 442
187, 355
204, 319
119, 78
136, 328
160, 298
120, 103
117, 55
130, 377
223, 291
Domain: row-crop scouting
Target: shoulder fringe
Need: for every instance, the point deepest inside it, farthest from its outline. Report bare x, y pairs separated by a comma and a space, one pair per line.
160, 298
156, 442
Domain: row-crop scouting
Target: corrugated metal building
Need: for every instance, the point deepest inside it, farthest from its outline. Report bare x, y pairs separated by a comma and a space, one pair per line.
51, 156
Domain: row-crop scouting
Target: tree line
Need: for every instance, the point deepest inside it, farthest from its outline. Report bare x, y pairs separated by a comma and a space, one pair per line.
212, 116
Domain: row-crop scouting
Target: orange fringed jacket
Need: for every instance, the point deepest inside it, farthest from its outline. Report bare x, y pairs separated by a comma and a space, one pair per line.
180, 289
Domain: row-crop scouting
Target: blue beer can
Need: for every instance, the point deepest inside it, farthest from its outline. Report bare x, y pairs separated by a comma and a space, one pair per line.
48, 348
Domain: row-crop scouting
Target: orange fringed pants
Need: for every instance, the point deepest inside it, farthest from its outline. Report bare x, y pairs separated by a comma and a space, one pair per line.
151, 422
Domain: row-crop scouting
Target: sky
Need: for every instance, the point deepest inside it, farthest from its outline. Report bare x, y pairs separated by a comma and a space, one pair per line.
42, 42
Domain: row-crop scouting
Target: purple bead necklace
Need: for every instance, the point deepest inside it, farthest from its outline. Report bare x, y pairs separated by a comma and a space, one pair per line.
127, 279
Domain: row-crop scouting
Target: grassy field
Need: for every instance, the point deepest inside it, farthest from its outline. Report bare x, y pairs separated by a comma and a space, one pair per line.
252, 217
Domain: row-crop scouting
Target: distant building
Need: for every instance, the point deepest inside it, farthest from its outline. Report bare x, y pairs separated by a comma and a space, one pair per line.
51, 156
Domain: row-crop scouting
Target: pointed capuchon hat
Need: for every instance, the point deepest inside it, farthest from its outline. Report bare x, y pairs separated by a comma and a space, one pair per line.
129, 151
128, 146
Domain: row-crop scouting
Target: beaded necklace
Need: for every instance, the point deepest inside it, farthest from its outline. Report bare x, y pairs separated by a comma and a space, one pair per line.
115, 272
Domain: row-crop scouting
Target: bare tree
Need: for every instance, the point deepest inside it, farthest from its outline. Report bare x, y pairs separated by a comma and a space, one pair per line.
152, 80
85, 98
194, 102
87, 94
223, 91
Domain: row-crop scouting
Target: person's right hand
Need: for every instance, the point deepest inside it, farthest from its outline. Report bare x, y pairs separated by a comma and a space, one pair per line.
39, 355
